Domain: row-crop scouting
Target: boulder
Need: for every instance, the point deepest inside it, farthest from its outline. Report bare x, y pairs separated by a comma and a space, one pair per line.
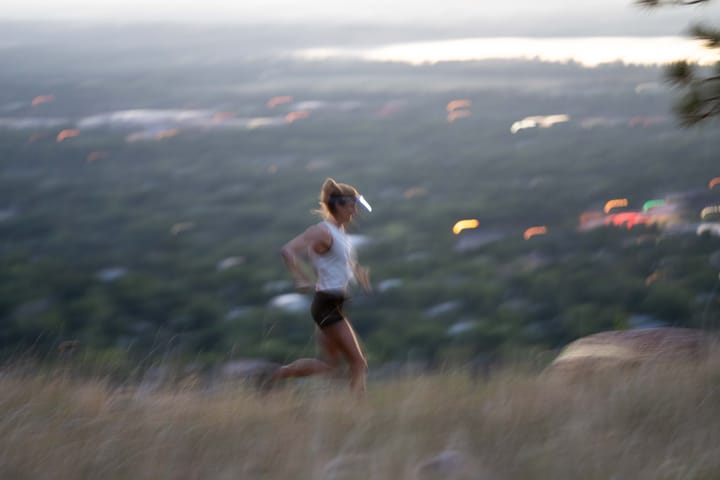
629, 348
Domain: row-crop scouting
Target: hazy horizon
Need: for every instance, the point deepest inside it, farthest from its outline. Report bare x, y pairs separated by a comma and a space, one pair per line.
414, 45
521, 18
584, 31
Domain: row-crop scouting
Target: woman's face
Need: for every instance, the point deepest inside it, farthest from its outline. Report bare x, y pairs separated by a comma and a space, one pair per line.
345, 209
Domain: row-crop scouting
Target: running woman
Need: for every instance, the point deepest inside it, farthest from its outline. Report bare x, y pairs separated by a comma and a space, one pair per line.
326, 247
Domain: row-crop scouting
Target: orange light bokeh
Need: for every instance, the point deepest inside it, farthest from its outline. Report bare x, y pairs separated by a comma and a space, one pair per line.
69, 133
466, 224
43, 99
455, 104
533, 231
615, 203
293, 116
279, 100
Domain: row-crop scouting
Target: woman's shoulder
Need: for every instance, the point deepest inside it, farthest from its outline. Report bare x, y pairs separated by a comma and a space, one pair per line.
319, 230
320, 237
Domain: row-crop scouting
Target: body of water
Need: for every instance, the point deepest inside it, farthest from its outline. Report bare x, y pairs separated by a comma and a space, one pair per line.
588, 51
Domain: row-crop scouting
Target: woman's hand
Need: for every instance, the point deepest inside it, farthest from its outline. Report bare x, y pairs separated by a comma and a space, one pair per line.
303, 286
362, 275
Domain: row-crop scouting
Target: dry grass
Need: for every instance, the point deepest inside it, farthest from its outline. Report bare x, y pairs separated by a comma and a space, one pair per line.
652, 424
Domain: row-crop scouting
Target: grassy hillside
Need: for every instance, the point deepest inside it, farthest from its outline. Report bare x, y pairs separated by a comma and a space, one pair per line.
654, 424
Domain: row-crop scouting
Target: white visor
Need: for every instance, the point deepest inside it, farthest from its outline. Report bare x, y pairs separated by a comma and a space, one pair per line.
364, 203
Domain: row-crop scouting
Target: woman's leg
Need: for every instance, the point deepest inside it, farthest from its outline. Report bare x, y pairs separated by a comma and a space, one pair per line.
305, 367
329, 350
302, 367
343, 338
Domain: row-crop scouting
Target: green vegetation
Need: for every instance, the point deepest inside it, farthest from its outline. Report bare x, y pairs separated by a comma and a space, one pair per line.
125, 253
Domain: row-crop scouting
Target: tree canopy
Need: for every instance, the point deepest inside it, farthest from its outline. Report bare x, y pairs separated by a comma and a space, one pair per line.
700, 87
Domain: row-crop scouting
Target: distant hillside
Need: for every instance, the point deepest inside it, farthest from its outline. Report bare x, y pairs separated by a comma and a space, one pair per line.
145, 191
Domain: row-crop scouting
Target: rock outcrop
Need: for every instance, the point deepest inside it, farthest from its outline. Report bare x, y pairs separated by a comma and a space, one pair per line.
630, 348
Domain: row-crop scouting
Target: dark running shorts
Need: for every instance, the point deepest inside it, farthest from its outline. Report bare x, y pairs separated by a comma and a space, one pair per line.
327, 308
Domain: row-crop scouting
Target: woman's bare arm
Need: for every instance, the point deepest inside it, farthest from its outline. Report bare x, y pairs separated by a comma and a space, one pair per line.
362, 275
296, 252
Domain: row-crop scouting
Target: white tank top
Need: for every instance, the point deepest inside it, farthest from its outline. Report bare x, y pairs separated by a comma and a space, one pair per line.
334, 267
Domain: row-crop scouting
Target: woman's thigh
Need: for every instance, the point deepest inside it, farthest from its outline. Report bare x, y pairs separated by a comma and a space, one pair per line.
343, 338
330, 350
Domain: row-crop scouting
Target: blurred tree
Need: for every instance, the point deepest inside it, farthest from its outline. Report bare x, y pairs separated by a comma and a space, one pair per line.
668, 302
700, 99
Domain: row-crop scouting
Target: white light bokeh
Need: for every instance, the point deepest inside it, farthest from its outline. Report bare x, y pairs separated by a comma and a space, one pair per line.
588, 51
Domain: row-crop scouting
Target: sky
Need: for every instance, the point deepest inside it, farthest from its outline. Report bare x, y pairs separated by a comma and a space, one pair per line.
554, 14
567, 29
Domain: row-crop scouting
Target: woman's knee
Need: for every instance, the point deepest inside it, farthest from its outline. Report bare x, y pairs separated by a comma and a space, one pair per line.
359, 364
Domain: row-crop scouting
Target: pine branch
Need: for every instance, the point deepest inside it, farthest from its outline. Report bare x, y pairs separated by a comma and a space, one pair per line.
696, 111
680, 73
660, 3
693, 119
714, 99
711, 36
696, 105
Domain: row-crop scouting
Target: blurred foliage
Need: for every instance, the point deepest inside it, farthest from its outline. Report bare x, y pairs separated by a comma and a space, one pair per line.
93, 252
699, 85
